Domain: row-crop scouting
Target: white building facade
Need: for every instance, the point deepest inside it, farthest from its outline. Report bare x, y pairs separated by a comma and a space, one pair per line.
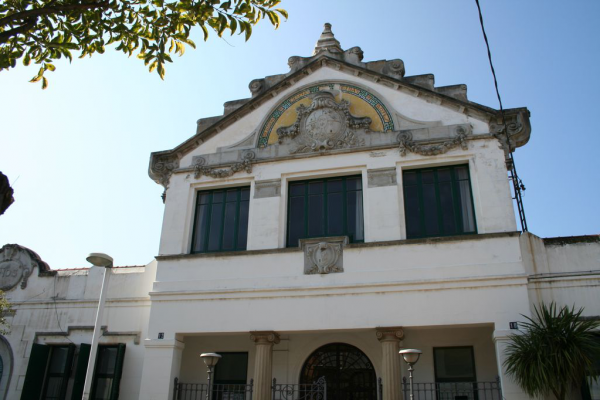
343, 212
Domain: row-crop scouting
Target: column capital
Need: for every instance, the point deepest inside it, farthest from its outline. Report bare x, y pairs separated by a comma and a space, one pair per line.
264, 337
394, 333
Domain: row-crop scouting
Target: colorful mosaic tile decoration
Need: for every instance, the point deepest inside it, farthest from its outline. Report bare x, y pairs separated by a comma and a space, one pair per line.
369, 98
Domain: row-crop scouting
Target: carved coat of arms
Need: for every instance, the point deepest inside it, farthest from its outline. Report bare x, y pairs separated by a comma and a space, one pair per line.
324, 125
323, 255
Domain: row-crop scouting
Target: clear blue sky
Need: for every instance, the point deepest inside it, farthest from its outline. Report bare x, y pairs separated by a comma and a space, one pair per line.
77, 153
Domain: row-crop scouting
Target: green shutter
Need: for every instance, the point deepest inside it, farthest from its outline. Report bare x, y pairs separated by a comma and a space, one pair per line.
36, 370
114, 391
80, 371
67, 372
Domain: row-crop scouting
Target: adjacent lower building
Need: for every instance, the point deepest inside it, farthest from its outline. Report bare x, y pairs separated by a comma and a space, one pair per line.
343, 212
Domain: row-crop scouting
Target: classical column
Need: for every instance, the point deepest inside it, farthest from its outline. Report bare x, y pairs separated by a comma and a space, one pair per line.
390, 363
510, 389
263, 360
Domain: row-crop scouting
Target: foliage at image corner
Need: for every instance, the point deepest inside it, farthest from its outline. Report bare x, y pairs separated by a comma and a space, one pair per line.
5, 309
555, 352
42, 31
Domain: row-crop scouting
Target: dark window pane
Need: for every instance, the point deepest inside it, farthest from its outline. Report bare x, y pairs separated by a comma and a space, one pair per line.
229, 225
444, 175
58, 359
245, 194
315, 215
297, 189
462, 173
203, 198
353, 184
454, 364
53, 386
409, 178
334, 186
232, 368
438, 201
108, 359
243, 225
447, 206
216, 227
232, 195
217, 197
430, 208
200, 227
103, 386
427, 177
296, 221
412, 211
315, 187
335, 214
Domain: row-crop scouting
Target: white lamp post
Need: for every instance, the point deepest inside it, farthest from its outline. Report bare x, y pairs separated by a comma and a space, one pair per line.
210, 359
411, 356
106, 261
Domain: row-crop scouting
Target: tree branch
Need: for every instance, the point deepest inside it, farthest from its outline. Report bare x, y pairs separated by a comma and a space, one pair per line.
6, 35
36, 12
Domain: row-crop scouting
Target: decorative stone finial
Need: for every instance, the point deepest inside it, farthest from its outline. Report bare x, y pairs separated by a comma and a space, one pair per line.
327, 42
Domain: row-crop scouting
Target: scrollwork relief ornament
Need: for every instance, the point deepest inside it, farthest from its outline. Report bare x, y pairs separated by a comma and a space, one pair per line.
163, 168
323, 256
17, 264
202, 170
324, 125
406, 143
512, 128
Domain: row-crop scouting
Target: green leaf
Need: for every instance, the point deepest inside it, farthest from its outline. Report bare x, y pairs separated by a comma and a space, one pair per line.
44, 83
205, 31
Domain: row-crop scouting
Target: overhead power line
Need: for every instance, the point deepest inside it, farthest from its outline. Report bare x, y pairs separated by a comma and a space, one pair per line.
518, 186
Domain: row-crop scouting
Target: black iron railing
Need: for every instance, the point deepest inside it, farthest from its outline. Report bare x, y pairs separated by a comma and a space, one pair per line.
300, 391
453, 391
199, 391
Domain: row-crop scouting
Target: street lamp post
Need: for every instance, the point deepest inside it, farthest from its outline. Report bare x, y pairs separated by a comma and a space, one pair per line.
106, 261
411, 356
210, 359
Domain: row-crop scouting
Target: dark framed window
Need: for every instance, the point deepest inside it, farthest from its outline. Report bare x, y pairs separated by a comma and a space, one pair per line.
438, 202
454, 364
325, 207
48, 372
107, 372
221, 220
232, 369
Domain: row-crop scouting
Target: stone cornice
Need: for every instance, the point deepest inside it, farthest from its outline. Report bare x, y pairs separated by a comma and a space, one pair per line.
165, 160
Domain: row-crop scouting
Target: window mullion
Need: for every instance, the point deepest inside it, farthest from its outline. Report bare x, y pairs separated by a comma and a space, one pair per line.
223, 221
345, 208
208, 222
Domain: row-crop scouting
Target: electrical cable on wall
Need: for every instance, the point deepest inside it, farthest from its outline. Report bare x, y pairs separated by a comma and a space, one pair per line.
518, 185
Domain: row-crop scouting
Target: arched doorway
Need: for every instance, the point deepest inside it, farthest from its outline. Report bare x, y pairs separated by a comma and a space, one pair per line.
348, 371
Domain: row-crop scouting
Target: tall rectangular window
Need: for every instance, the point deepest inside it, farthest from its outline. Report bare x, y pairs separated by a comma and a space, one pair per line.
325, 207
438, 202
48, 372
221, 220
107, 373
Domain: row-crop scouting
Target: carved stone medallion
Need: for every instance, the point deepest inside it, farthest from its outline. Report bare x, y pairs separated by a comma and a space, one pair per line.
17, 264
325, 125
323, 255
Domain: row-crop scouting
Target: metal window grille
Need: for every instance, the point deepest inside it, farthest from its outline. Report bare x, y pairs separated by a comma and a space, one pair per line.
300, 391
199, 391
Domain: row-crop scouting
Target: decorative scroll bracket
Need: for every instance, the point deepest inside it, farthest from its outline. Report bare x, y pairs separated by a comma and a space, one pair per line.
200, 169
406, 143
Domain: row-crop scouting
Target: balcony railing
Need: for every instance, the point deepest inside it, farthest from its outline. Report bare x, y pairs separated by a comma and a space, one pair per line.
199, 391
302, 391
453, 391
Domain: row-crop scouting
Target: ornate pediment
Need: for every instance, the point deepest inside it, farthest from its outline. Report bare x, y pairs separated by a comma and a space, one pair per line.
324, 125
16, 265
